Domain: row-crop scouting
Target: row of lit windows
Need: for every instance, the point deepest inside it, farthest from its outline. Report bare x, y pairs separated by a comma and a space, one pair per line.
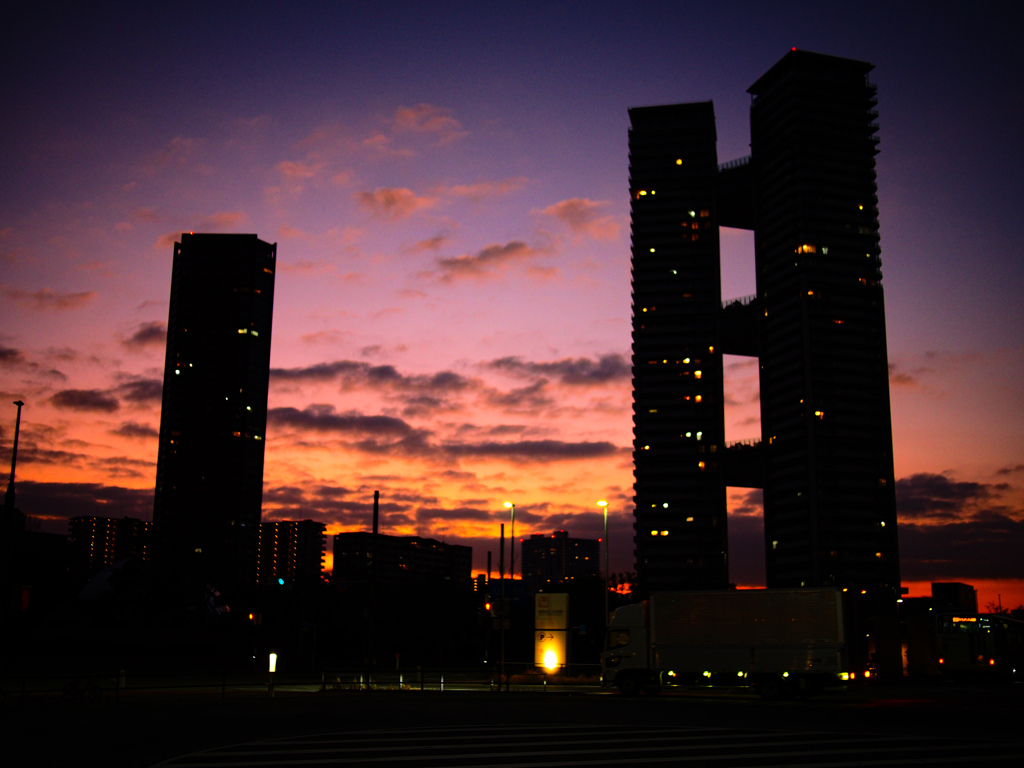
245, 435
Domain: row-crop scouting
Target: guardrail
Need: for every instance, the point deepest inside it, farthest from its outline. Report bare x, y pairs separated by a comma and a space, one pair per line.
121, 685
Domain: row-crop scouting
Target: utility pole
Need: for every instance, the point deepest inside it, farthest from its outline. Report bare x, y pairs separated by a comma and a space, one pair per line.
9, 496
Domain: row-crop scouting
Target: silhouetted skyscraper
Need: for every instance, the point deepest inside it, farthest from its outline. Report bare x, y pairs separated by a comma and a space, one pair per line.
816, 325
678, 422
209, 481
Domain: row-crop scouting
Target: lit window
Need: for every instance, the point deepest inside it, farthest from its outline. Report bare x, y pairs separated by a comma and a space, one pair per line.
806, 248
652, 250
689, 519
692, 213
820, 414
697, 398
243, 330
696, 374
665, 505
700, 465
268, 270
705, 213
664, 533
679, 161
647, 447
654, 533
254, 333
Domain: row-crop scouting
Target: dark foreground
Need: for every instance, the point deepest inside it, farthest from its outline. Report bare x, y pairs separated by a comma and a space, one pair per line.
940, 724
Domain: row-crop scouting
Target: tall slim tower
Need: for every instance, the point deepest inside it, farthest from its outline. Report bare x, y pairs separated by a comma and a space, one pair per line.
829, 489
209, 480
678, 423
816, 325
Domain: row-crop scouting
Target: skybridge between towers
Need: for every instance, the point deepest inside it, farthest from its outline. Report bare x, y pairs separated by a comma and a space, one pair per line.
816, 327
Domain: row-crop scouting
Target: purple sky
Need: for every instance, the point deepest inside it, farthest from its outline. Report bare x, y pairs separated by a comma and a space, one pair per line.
447, 185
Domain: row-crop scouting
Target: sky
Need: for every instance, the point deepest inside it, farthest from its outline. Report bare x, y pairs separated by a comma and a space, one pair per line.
447, 185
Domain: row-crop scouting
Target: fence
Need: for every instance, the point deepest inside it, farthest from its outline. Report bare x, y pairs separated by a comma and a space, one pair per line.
121, 685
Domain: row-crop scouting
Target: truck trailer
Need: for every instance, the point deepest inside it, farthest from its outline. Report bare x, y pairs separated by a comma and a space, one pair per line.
780, 641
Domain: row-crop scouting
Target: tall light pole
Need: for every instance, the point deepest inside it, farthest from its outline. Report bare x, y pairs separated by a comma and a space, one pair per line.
9, 496
607, 582
512, 544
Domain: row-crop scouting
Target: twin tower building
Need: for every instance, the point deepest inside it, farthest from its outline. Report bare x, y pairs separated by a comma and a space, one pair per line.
816, 328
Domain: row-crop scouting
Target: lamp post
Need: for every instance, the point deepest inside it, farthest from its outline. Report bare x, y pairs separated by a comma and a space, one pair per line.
9, 496
512, 544
607, 582
511, 578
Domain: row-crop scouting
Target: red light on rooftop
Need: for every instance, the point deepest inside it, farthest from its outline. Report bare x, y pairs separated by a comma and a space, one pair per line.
793, 48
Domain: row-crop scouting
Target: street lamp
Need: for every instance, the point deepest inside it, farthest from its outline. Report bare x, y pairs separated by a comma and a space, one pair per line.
512, 545
607, 582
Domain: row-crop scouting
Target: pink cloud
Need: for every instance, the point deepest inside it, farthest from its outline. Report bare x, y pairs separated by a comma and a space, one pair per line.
431, 120
485, 189
394, 202
583, 217
221, 220
487, 262
297, 170
46, 299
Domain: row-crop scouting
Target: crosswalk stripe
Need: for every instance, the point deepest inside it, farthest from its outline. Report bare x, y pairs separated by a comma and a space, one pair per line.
556, 746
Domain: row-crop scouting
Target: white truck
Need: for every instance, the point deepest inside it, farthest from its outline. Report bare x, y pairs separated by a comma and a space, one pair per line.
781, 641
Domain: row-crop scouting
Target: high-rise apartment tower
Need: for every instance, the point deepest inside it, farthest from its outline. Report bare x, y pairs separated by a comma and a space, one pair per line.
816, 326
209, 480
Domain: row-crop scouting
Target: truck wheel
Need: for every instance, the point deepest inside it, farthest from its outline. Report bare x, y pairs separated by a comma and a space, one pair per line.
629, 685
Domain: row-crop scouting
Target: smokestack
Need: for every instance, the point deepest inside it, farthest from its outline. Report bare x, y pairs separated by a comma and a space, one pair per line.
376, 511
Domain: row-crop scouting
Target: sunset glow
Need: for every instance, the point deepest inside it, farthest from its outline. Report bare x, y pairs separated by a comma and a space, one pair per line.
449, 198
